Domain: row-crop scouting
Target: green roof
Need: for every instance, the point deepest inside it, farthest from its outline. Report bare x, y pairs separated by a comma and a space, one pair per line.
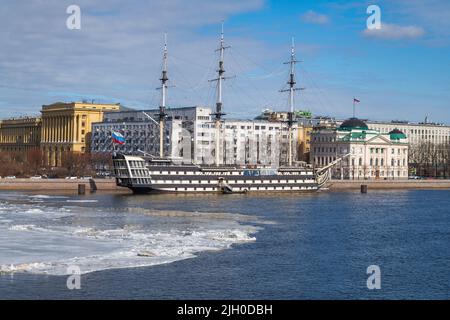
353, 123
354, 136
358, 135
397, 136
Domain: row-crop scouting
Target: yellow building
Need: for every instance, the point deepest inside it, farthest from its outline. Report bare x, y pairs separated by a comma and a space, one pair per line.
66, 127
20, 135
304, 142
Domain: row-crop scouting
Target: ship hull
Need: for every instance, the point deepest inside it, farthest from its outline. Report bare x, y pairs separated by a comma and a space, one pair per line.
144, 176
152, 190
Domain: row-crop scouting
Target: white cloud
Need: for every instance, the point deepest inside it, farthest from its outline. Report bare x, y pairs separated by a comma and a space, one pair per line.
433, 15
395, 32
116, 54
314, 17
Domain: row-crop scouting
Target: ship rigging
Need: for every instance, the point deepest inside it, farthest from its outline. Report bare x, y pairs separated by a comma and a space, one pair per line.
148, 174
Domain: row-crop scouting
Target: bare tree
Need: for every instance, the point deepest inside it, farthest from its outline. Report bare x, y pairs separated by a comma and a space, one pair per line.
11, 163
101, 162
430, 159
34, 161
77, 164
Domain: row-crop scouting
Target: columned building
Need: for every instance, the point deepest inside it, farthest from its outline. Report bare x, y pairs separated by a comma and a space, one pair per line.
20, 135
368, 154
424, 132
66, 127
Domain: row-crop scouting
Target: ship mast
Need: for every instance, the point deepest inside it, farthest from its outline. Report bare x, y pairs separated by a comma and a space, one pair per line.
162, 107
218, 113
291, 91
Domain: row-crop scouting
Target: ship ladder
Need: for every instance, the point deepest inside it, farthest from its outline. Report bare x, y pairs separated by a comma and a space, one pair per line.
224, 187
323, 177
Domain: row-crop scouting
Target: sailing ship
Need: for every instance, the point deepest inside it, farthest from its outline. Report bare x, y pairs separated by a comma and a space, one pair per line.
149, 174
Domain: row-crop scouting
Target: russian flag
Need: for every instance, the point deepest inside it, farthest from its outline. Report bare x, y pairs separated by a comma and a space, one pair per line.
118, 138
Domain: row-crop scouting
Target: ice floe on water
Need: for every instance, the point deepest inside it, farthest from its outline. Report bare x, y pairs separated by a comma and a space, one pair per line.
48, 239
45, 196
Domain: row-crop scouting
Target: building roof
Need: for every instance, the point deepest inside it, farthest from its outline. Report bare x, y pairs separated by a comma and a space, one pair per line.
353, 123
396, 134
61, 106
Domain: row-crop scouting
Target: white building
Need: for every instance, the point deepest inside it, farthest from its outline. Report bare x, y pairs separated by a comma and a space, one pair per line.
417, 132
369, 153
141, 130
190, 136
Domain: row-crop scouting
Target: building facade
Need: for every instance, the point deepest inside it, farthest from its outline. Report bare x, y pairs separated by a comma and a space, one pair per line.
368, 154
141, 130
417, 132
190, 137
246, 142
304, 127
428, 145
20, 135
66, 127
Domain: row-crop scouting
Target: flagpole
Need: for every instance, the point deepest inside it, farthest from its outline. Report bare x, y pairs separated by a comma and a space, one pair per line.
353, 107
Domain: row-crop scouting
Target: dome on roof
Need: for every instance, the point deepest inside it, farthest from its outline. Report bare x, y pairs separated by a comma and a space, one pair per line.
353, 123
396, 134
396, 131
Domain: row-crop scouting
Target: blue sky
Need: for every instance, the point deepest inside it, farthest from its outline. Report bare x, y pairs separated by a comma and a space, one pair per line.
399, 72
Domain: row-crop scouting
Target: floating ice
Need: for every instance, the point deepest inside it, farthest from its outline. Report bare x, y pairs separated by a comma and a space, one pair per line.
44, 196
47, 239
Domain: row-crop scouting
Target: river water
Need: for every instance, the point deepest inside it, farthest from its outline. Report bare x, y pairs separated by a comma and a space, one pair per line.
290, 246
